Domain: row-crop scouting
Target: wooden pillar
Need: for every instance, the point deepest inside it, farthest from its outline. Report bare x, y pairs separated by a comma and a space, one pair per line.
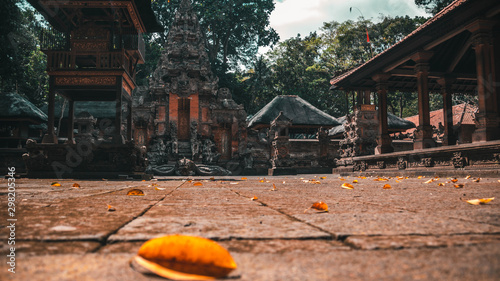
384, 142
359, 97
117, 135
50, 137
487, 118
129, 121
423, 134
367, 97
71, 122
446, 92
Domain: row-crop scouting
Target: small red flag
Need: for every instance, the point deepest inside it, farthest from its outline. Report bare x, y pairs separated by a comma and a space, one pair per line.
367, 37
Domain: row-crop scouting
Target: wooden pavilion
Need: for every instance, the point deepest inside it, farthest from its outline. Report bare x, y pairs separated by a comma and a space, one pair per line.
93, 48
456, 51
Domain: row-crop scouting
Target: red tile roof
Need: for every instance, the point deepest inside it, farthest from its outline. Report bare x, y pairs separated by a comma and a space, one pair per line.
458, 110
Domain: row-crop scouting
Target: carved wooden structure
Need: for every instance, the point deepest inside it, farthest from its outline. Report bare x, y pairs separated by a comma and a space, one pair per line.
456, 51
93, 49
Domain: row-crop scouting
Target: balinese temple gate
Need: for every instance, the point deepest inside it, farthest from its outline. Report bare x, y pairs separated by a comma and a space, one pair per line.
188, 124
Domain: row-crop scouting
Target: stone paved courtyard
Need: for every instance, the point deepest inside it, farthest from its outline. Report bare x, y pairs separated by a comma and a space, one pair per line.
413, 231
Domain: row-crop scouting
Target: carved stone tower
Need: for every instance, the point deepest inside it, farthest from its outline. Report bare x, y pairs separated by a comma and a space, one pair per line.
190, 109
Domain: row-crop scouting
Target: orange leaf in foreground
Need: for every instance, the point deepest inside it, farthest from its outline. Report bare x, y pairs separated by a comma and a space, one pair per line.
347, 186
320, 206
387, 186
181, 257
197, 183
454, 180
55, 184
75, 185
480, 201
135, 192
355, 181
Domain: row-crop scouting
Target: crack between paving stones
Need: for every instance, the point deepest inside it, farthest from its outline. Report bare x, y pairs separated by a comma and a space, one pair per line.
331, 236
104, 240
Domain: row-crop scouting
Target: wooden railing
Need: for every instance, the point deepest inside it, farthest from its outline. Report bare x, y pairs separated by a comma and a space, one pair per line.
67, 60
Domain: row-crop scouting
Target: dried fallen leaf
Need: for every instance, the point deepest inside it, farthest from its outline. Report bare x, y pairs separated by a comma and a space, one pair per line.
398, 181
181, 257
419, 177
355, 181
459, 185
440, 184
254, 198
380, 179
75, 185
342, 179
261, 181
347, 186
387, 186
454, 180
477, 180
274, 187
363, 178
322, 178
212, 179
243, 179
55, 184
111, 208
197, 183
234, 183
320, 206
480, 201
467, 177
159, 188
429, 181
135, 192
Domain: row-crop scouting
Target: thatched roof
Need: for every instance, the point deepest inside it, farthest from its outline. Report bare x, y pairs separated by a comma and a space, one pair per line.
98, 109
14, 106
300, 111
394, 123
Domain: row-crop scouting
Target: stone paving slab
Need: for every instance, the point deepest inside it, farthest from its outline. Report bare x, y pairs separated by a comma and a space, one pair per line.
413, 231
290, 260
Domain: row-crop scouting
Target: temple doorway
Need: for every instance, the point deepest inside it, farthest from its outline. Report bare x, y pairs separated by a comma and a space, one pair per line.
184, 126
225, 142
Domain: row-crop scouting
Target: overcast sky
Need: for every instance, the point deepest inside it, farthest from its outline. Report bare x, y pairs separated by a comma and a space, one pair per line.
291, 17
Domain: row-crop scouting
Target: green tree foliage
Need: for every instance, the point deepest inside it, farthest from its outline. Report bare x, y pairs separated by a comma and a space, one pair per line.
433, 6
234, 30
22, 64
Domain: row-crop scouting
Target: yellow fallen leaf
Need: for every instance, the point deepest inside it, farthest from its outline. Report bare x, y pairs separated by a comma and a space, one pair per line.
480, 201
397, 181
197, 183
429, 181
261, 181
355, 181
347, 186
477, 180
322, 178
440, 184
467, 177
111, 208
55, 184
363, 178
75, 185
459, 185
387, 186
419, 177
320, 206
380, 179
159, 188
135, 192
254, 198
181, 257
342, 179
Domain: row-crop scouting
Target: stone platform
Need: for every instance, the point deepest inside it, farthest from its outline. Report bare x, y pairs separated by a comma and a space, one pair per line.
413, 231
